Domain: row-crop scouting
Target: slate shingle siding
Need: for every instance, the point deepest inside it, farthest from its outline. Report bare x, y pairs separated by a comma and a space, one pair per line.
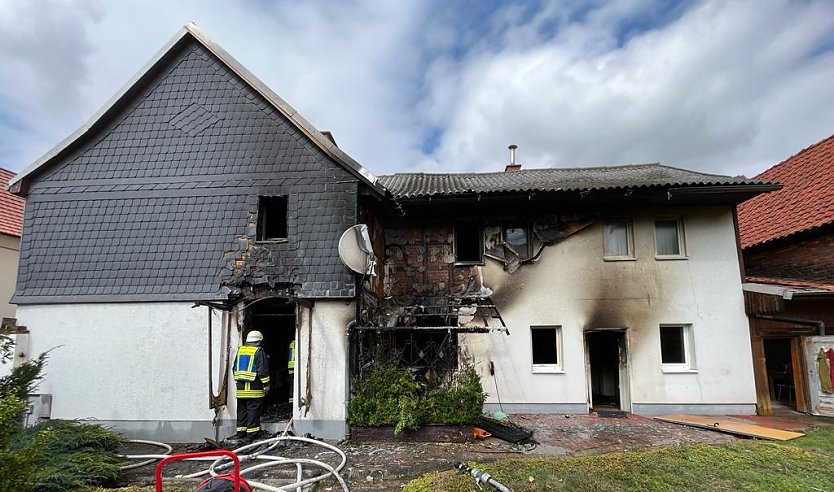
161, 202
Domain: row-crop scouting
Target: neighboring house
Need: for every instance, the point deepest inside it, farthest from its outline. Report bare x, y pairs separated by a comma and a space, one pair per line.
11, 227
197, 205
788, 245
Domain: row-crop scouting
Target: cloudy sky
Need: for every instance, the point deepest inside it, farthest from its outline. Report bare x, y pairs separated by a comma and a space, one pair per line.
418, 85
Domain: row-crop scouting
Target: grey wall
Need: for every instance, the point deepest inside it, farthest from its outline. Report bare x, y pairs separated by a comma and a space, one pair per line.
161, 203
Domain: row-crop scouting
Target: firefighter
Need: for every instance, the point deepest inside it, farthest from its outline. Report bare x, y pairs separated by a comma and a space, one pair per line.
291, 369
251, 373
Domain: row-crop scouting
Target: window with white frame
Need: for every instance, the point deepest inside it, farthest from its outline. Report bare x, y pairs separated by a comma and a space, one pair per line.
617, 238
668, 238
546, 343
677, 348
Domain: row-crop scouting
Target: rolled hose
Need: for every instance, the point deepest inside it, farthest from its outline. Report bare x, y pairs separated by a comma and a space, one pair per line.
217, 466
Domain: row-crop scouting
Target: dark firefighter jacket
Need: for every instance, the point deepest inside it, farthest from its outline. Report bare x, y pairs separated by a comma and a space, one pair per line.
251, 371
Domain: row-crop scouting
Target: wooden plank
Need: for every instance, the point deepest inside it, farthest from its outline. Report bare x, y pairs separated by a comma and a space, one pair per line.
800, 375
763, 405
730, 426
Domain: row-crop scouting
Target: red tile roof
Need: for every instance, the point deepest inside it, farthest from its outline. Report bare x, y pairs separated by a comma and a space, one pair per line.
805, 202
11, 207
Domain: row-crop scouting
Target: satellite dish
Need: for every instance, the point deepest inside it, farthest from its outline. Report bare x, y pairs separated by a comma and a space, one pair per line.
356, 250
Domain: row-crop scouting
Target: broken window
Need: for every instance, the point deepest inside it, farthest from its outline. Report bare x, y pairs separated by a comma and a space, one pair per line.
468, 243
547, 348
668, 234
676, 347
517, 238
272, 218
617, 238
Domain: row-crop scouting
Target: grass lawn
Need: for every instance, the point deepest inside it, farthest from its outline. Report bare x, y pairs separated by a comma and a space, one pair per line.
804, 464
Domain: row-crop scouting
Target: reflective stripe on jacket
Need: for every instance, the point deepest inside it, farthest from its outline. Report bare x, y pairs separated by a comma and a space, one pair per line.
291, 359
246, 389
251, 364
245, 367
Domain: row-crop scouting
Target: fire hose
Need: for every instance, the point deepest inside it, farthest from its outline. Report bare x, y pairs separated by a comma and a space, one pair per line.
256, 452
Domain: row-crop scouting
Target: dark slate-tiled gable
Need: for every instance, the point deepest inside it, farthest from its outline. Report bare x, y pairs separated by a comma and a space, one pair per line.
161, 204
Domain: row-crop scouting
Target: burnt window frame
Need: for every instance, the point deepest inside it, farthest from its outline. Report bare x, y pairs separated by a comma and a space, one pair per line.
688, 349
548, 368
263, 215
528, 231
479, 238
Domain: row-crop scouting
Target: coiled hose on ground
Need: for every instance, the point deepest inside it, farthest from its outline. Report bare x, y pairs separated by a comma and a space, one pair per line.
256, 452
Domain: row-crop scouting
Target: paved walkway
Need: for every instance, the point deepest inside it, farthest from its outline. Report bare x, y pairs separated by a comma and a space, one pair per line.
387, 466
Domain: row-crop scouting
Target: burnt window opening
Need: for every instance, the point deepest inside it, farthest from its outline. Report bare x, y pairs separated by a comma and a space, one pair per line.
469, 243
546, 343
517, 237
272, 218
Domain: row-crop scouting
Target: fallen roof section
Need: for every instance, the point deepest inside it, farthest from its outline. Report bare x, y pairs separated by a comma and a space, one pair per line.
191, 30
632, 176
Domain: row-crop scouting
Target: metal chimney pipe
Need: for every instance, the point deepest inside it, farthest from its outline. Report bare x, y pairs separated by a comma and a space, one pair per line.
512, 166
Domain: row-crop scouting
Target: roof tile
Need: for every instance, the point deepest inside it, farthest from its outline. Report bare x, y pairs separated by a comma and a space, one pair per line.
806, 201
418, 185
11, 207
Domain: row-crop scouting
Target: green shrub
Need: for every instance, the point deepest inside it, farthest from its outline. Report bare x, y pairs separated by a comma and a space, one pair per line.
55, 456
71, 455
16, 469
391, 396
377, 398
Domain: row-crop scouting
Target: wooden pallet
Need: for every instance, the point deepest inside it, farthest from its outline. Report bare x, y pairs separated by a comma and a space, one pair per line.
730, 426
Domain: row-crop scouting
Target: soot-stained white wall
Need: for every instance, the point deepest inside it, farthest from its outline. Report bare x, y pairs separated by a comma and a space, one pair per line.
573, 287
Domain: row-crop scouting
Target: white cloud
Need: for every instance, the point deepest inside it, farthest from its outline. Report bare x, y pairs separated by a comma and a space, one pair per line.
728, 87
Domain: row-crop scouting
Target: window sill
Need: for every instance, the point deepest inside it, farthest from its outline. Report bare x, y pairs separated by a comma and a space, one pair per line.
670, 257
679, 370
272, 241
547, 370
469, 263
619, 258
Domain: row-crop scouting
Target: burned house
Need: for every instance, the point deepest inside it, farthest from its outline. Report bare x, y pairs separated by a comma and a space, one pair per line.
787, 240
198, 205
570, 289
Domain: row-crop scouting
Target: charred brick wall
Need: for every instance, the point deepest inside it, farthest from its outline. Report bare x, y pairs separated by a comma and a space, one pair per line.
808, 258
420, 261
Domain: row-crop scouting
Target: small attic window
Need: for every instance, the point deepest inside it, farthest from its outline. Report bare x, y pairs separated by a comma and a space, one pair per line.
272, 218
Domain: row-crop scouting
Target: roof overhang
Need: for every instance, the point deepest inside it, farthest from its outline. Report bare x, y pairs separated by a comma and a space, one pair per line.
785, 291
117, 102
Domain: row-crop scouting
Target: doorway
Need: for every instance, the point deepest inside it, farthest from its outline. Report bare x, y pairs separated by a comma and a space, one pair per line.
275, 319
780, 375
607, 370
